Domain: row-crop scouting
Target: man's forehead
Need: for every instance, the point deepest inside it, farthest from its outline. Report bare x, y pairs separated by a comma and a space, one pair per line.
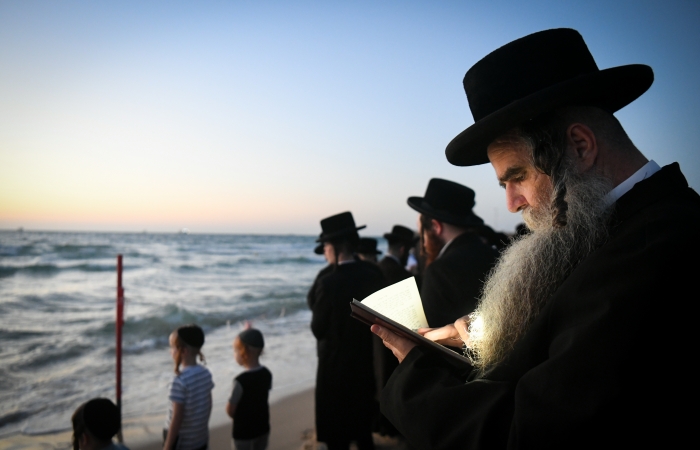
500, 151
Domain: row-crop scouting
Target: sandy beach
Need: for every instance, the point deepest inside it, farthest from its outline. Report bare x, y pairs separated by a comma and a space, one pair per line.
291, 423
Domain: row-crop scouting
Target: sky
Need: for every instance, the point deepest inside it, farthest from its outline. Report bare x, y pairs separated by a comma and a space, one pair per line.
267, 116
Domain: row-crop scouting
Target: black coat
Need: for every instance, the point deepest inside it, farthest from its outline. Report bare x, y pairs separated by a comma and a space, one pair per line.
345, 385
393, 271
452, 283
311, 296
608, 363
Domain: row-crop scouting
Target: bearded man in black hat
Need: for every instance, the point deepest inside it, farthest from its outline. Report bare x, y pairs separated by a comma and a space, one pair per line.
584, 313
345, 384
457, 259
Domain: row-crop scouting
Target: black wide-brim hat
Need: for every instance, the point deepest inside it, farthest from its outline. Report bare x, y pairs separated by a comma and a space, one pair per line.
339, 225
534, 75
367, 246
399, 233
447, 202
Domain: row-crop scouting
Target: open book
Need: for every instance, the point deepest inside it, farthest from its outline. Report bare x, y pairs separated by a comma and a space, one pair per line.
399, 308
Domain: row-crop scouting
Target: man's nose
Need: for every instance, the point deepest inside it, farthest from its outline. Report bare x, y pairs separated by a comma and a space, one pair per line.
515, 201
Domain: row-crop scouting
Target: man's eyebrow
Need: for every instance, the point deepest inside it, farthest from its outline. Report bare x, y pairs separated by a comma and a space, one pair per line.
510, 173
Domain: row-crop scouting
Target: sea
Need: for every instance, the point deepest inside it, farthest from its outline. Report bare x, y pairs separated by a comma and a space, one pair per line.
58, 308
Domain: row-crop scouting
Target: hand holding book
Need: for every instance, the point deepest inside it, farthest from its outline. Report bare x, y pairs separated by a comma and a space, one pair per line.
398, 311
452, 335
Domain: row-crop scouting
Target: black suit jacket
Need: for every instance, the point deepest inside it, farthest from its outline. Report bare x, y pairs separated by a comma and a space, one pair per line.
393, 271
608, 362
452, 283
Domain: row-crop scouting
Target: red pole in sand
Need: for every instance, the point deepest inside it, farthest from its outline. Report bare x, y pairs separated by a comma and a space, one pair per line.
119, 324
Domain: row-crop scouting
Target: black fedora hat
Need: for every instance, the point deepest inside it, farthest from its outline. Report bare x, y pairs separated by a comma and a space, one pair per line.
533, 75
447, 202
399, 233
319, 249
337, 226
367, 246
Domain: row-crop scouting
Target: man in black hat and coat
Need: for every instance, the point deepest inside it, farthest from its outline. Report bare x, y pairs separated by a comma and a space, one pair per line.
345, 384
367, 250
393, 265
579, 310
457, 258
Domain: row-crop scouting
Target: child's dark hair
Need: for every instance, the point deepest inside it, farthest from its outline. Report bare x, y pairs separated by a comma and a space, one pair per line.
190, 336
252, 342
98, 417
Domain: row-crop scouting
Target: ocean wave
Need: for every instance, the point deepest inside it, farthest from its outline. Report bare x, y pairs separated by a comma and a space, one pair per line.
49, 269
14, 335
40, 269
53, 354
158, 326
150, 332
92, 251
282, 260
13, 417
7, 271
19, 250
89, 267
297, 294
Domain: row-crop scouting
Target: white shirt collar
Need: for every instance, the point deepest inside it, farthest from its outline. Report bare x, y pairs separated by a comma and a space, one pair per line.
445, 248
349, 261
645, 172
389, 255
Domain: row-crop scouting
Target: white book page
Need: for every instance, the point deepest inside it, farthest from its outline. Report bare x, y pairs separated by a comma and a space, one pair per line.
400, 302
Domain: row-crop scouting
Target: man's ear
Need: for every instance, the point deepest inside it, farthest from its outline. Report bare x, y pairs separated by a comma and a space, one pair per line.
437, 227
583, 143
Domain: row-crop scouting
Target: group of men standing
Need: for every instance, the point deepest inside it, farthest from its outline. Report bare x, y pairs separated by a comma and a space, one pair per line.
577, 331
456, 254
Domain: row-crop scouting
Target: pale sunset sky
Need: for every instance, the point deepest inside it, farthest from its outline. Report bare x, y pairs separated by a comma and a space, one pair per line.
266, 116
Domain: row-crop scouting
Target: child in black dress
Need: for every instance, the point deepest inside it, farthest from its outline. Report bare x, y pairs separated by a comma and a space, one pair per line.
248, 404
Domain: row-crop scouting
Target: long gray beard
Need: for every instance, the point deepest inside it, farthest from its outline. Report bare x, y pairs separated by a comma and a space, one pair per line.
533, 267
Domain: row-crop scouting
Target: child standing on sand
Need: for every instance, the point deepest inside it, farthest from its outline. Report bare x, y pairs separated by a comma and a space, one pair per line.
248, 404
187, 425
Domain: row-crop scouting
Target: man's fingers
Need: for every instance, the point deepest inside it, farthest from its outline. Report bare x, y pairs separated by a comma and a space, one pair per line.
398, 345
446, 335
462, 327
381, 332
